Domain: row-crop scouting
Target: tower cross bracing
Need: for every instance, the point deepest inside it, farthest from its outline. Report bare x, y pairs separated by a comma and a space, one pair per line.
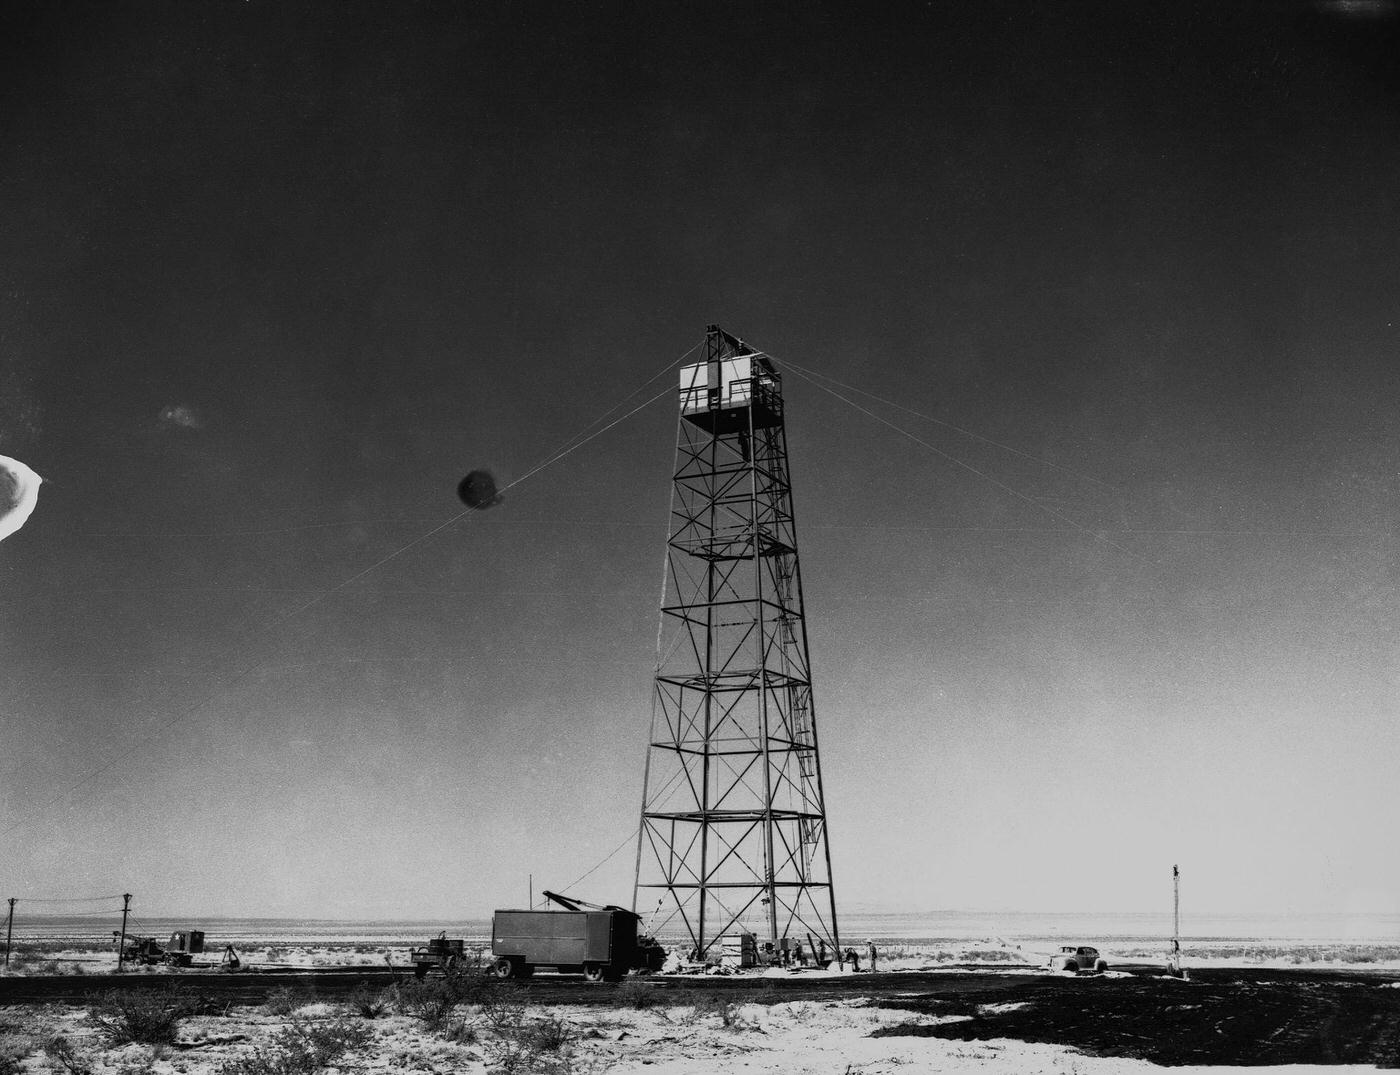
733, 829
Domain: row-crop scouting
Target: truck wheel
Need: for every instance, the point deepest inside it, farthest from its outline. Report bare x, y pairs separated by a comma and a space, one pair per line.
420, 970
1072, 966
505, 968
593, 972
1100, 966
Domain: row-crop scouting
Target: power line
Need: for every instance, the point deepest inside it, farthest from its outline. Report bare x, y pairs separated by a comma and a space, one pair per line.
801, 370
1095, 534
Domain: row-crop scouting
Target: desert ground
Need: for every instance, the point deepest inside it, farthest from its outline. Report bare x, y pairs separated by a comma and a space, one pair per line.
314, 1008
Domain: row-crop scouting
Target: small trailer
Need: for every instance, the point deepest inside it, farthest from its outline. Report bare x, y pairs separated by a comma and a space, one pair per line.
601, 943
440, 953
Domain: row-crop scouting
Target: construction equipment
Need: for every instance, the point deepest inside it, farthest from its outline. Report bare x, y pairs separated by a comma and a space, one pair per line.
184, 945
179, 951
144, 951
599, 941
439, 953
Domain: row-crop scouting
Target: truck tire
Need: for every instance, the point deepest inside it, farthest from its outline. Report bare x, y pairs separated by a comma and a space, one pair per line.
1100, 966
1071, 966
593, 972
506, 968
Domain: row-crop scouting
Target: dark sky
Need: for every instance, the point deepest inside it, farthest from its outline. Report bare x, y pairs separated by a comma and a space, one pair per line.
274, 276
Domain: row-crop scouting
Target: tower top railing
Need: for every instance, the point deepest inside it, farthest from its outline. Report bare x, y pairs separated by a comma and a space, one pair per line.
713, 393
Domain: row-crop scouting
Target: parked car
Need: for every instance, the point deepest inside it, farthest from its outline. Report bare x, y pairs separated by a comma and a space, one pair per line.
1081, 959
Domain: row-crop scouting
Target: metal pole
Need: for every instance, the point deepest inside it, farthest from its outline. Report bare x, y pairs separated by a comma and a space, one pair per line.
121, 944
531, 904
1176, 915
9, 929
1176, 921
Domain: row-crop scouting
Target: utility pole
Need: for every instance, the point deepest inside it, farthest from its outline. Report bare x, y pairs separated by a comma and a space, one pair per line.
9, 930
1176, 921
121, 944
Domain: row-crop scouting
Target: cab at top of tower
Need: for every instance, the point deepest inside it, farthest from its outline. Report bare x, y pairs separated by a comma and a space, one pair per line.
723, 394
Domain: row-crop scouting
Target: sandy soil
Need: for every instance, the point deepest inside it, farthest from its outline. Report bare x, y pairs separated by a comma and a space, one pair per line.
779, 1039
1030, 1023
1040, 1027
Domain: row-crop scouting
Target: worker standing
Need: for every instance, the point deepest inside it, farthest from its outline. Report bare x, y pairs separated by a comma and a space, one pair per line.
870, 953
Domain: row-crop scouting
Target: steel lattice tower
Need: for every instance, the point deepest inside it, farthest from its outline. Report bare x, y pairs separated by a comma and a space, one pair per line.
733, 828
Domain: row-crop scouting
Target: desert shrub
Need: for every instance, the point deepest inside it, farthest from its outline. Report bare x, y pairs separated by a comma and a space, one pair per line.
635, 993
143, 1064
707, 1004
510, 1056
64, 1057
367, 1002
301, 1049
40, 948
460, 1032
284, 1000
503, 1007
519, 1056
540, 1048
13, 1049
470, 986
324, 1043
548, 1035
431, 1001
144, 1016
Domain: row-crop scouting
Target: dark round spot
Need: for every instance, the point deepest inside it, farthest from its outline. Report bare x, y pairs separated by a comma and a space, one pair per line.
478, 490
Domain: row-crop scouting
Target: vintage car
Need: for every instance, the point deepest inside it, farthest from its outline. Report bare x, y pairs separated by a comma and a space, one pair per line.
1080, 959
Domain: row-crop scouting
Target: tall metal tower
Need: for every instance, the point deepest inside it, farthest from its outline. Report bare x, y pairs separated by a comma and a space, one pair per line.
733, 830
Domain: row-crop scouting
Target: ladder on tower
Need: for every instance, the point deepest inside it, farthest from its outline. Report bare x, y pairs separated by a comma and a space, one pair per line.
799, 695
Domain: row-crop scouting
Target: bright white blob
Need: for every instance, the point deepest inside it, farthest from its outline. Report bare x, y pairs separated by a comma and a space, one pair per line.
19, 492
